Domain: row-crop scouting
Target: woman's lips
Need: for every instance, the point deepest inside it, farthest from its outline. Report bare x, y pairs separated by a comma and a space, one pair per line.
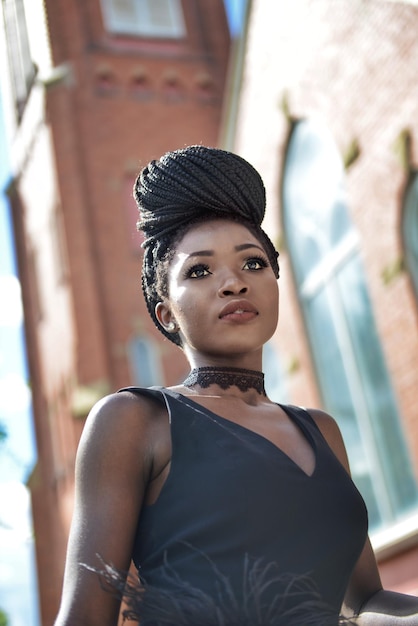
238, 311
239, 316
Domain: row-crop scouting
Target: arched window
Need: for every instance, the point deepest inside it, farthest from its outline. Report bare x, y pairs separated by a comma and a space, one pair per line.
410, 231
352, 376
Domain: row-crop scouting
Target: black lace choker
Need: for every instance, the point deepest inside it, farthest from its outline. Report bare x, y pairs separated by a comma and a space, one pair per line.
226, 377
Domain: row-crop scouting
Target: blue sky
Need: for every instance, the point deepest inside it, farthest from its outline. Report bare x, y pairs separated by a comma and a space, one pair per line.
17, 452
235, 10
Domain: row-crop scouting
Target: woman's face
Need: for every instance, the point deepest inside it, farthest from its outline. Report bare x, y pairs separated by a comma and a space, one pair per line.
223, 294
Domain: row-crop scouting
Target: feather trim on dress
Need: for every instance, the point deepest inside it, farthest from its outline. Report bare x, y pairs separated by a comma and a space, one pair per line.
298, 603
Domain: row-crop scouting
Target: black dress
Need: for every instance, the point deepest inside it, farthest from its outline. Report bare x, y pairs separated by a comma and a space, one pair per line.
240, 534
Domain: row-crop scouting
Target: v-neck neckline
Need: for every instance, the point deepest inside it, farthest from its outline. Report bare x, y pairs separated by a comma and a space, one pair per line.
294, 418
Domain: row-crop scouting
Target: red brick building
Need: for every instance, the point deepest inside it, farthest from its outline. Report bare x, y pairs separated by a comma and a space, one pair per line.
94, 90
328, 114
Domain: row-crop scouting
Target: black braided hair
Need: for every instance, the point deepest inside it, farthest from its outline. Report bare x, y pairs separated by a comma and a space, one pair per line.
186, 187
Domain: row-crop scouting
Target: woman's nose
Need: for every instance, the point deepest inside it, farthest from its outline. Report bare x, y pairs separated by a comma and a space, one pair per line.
232, 285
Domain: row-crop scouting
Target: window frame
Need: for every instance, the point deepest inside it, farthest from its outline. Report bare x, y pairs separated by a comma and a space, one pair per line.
145, 25
21, 67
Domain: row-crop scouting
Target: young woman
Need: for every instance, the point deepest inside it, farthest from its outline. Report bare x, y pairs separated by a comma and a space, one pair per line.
236, 511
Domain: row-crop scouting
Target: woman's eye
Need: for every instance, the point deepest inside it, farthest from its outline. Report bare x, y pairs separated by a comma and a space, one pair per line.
198, 271
255, 263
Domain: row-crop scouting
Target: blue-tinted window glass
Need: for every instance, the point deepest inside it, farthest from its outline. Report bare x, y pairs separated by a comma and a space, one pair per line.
275, 376
410, 231
144, 18
144, 362
380, 407
316, 214
329, 340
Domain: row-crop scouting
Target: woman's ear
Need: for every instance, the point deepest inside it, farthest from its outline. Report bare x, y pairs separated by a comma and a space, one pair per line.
165, 317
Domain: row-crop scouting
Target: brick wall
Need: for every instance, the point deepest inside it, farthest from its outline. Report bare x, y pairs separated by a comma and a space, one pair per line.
353, 65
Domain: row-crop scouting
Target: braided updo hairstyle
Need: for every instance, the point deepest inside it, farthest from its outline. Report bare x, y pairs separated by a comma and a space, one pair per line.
186, 187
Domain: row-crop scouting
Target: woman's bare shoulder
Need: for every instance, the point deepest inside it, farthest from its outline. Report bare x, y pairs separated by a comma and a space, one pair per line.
125, 410
124, 426
332, 434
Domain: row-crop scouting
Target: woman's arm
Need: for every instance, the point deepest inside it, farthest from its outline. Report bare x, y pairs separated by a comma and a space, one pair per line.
387, 608
114, 464
366, 603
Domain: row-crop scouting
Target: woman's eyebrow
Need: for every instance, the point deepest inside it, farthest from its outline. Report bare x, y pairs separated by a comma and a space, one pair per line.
246, 246
201, 253
238, 248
